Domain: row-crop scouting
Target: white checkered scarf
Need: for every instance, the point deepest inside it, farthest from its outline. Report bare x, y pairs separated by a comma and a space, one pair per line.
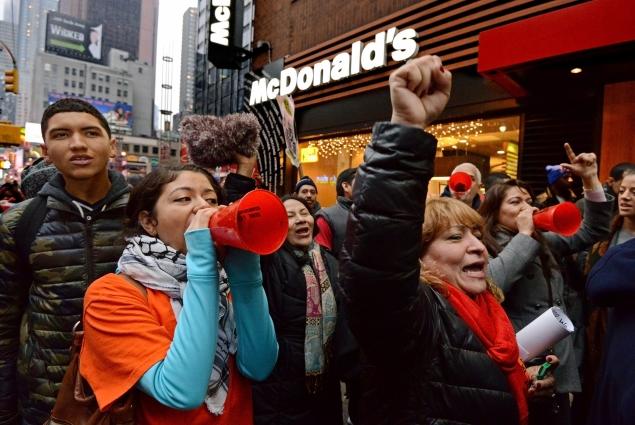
160, 267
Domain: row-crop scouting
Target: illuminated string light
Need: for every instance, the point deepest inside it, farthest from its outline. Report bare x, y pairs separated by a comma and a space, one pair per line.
355, 143
341, 145
457, 130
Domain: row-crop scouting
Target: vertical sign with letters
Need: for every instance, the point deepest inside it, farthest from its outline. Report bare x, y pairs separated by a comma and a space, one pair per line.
225, 35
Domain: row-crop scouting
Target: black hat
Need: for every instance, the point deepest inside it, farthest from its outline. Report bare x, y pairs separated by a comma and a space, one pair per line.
304, 181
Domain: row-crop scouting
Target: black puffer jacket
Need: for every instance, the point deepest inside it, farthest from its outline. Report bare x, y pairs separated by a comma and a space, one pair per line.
424, 365
71, 250
283, 399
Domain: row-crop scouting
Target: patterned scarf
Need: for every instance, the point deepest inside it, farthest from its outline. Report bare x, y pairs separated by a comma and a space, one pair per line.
489, 322
321, 315
160, 267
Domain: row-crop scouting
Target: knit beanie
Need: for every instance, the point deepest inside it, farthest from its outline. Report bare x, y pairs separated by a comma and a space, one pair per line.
306, 180
35, 177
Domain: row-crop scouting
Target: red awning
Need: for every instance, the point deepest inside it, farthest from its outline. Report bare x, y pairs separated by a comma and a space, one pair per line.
593, 25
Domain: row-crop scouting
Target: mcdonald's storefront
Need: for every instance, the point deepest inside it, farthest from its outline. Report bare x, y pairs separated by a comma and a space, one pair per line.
527, 77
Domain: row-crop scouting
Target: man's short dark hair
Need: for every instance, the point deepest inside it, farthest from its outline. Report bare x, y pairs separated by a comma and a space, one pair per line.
493, 178
617, 172
72, 105
345, 176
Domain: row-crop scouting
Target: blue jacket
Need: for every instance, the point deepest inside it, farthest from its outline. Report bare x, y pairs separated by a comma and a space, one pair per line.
610, 284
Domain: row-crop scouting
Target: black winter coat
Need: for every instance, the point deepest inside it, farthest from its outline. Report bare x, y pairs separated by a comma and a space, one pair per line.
423, 364
283, 399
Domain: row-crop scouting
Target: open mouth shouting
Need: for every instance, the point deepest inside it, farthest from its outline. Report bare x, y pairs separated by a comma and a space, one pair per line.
475, 269
303, 231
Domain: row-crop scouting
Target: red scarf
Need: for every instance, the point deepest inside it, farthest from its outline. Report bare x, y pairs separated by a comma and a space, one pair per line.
487, 319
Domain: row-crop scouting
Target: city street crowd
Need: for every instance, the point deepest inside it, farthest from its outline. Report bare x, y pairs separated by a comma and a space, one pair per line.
389, 307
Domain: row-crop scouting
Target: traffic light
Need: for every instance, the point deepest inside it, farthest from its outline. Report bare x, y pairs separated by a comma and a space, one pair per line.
11, 81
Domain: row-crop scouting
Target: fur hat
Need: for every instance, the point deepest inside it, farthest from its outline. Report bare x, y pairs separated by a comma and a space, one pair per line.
304, 181
214, 141
554, 172
35, 177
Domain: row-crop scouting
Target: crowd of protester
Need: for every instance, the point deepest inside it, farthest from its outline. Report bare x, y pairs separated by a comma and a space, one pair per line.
403, 305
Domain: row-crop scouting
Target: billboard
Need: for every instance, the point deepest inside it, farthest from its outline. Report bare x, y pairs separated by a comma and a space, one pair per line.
74, 38
118, 115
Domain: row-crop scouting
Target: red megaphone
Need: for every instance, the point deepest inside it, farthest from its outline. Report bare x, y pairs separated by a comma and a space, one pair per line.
460, 182
257, 223
564, 219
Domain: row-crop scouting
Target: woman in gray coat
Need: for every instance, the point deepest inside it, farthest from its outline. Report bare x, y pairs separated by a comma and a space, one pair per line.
524, 262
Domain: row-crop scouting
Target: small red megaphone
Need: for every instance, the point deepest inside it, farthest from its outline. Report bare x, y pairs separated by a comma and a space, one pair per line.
460, 182
257, 223
564, 219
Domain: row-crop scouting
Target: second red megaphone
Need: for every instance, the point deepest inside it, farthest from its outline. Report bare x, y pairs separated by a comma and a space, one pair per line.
564, 219
257, 223
460, 182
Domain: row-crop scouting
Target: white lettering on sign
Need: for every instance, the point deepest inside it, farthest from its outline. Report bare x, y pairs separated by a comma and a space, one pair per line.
219, 30
362, 57
61, 31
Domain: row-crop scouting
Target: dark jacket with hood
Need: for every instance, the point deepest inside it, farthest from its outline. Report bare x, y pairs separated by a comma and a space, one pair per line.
423, 364
72, 248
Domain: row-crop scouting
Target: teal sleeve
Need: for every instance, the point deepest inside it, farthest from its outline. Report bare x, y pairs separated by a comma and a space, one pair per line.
180, 380
257, 345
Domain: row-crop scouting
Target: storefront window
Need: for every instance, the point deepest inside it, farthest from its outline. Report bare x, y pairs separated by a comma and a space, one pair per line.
323, 159
490, 144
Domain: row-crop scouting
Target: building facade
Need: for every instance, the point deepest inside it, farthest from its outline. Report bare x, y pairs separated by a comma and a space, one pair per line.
148, 29
123, 82
76, 8
11, 11
515, 100
129, 44
138, 155
129, 25
31, 37
142, 76
7, 100
120, 19
188, 60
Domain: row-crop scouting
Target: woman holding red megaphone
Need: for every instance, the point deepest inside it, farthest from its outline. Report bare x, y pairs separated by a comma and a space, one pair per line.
564, 219
184, 332
524, 259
